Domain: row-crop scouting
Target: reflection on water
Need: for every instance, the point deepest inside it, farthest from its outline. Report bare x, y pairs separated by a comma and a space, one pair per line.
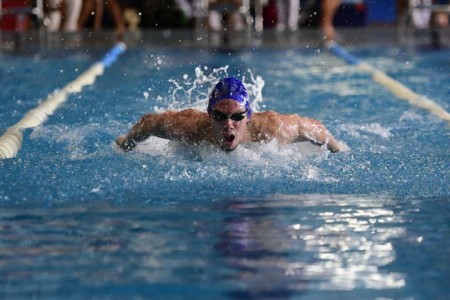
340, 244
274, 247
254, 244
352, 245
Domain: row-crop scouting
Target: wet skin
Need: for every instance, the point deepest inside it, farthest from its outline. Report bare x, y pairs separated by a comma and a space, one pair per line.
227, 126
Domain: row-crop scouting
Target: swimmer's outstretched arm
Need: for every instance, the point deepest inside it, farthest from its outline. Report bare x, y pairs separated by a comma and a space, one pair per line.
187, 125
148, 125
292, 128
316, 132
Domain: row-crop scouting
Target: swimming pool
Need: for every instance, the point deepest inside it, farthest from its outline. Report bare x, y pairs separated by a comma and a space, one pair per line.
80, 219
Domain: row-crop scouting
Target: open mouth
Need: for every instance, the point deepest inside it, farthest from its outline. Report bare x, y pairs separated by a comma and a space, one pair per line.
229, 139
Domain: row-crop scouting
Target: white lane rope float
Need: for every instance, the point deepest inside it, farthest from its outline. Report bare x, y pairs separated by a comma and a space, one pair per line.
399, 90
11, 140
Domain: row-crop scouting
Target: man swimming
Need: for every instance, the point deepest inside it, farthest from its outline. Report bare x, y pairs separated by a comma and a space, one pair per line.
228, 122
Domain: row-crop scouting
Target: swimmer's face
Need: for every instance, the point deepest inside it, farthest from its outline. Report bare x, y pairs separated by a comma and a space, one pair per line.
229, 124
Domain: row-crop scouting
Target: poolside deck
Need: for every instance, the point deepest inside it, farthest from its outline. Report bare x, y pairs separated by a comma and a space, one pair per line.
33, 41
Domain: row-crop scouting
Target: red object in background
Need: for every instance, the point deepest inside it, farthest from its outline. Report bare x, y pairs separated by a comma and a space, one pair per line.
360, 7
14, 21
270, 14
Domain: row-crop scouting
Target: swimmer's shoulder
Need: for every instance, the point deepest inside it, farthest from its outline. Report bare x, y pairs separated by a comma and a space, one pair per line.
265, 118
192, 116
265, 114
270, 125
188, 121
184, 125
192, 112
189, 114
263, 125
191, 125
273, 117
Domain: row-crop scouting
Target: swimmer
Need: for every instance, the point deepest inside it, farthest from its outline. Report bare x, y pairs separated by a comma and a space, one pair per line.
229, 122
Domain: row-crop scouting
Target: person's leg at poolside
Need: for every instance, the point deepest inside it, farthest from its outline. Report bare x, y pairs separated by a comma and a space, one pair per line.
293, 15
73, 9
114, 8
87, 9
54, 15
328, 8
116, 13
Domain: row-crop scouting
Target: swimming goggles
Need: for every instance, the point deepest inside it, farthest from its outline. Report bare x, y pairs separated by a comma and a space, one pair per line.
220, 116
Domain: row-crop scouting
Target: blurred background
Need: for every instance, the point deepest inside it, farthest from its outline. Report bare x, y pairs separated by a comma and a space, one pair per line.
236, 15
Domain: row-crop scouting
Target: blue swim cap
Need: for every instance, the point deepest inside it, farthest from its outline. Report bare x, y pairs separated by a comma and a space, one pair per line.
229, 88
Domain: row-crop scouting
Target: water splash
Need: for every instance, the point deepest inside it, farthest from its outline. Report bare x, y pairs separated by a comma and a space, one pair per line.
254, 160
81, 142
191, 91
357, 130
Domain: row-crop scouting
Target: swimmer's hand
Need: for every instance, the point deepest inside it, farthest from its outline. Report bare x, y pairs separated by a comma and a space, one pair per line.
125, 143
338, 146
343, 146
334, 145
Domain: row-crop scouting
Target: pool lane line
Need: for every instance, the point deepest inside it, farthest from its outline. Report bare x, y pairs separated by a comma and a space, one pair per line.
399, 90
11, 140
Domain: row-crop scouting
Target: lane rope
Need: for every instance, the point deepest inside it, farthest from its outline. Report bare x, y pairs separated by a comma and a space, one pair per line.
11, 140
399, 90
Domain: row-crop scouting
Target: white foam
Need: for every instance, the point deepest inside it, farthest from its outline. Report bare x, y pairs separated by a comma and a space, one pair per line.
75, 138
410, 116
254, 152
154, 146
358, 130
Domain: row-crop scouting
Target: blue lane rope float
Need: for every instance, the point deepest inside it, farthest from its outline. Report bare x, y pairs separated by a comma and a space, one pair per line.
113, 54
401, 91
11, 140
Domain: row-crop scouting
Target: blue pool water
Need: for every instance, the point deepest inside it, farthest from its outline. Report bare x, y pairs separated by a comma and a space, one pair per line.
80, 219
